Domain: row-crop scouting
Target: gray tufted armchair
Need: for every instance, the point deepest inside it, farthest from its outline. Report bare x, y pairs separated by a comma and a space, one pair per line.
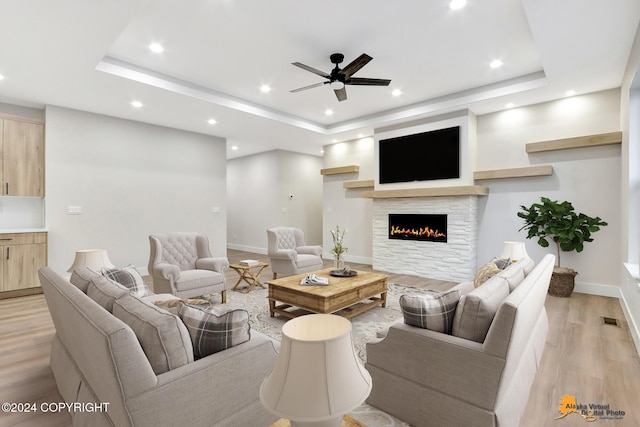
181, 264
290, 254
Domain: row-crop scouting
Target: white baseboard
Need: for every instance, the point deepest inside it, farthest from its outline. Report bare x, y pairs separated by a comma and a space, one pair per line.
598, 289
244, 248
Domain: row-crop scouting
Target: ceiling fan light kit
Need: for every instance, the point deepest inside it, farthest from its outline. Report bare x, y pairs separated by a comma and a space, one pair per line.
338, 77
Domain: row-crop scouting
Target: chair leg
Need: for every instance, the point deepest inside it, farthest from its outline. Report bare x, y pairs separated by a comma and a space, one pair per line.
224, 297
275, 276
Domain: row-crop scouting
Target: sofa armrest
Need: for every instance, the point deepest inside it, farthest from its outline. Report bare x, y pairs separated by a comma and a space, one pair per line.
452, 365
213, 264
311, 250
214, 384
284, 254
166, 271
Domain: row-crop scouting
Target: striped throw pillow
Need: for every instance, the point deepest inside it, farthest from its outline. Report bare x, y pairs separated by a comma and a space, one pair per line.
213, 329
433, 310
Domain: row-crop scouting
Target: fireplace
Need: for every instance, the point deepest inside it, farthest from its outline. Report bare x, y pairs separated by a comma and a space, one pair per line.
422, 227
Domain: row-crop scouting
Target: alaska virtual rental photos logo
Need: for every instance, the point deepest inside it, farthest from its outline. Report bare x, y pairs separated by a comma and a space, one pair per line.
591, 412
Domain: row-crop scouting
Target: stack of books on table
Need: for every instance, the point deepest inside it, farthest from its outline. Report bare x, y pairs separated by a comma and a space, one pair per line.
249, 262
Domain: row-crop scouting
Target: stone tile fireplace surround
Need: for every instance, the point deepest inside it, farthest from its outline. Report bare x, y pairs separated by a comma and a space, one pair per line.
454, 260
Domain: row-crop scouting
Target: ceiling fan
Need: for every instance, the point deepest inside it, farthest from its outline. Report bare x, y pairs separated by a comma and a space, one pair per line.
338, 78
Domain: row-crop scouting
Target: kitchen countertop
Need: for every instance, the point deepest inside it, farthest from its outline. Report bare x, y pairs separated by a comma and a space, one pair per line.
23, 230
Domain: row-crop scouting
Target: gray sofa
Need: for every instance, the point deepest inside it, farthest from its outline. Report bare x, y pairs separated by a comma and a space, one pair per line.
97, 358
428, 378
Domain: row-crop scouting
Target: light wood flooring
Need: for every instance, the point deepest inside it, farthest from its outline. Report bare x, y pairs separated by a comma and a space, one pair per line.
596, 363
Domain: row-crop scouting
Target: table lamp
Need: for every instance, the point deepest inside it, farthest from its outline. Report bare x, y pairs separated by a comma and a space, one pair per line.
318, 376
94, 259
515, 251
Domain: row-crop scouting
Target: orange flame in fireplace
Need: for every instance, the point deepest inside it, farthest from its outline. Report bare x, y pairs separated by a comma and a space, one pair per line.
420, 232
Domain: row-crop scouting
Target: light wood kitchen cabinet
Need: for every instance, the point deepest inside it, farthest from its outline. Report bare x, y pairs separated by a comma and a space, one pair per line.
22, 153
23, 254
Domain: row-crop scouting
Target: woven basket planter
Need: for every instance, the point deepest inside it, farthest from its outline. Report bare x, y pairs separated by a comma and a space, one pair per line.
562, 282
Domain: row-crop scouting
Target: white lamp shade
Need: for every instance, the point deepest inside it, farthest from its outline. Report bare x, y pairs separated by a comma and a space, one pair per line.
317, 376
94, 259
514, 251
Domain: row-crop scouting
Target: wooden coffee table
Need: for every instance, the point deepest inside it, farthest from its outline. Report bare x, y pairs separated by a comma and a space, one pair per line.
367, 288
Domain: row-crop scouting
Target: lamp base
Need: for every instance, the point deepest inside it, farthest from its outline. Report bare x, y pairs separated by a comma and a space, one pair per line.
334, 422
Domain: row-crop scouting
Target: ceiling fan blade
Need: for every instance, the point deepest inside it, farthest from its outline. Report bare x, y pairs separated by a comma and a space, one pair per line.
308, 87
311, 69
367, 82
356, 64
341, 94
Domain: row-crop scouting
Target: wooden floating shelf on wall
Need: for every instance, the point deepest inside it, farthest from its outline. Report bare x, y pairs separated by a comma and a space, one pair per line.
358, 184
543, 170
462, 190
341, 169
611, 138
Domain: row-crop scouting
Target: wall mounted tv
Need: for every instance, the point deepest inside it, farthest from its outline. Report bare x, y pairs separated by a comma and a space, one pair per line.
421, 157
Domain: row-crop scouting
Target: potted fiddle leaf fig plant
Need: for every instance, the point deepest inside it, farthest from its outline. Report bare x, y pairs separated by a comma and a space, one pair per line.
556, 222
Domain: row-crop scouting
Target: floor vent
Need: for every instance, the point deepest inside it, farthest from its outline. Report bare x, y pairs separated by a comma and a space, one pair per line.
610, 321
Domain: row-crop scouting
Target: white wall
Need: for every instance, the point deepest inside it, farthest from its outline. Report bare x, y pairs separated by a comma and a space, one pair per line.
346, 207
131, 180
588, 177
258, 188
252, 195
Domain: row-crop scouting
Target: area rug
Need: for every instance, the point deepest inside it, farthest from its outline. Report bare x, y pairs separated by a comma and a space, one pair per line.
364, 326
364, 329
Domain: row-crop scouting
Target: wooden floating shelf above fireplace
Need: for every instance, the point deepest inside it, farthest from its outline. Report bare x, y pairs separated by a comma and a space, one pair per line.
461, 190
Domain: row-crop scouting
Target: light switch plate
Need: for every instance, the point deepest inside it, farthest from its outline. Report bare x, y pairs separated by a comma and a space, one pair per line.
74, 210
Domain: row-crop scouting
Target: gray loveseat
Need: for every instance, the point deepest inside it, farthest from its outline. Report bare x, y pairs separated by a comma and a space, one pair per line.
428, 378
97, 358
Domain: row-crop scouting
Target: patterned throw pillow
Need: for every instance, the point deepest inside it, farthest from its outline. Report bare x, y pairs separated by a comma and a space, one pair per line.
129, 278
434, 311
213, 329
501, 263
485, 273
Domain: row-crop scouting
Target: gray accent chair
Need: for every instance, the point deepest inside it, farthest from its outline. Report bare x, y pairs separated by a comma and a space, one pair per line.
181, 264
290, 254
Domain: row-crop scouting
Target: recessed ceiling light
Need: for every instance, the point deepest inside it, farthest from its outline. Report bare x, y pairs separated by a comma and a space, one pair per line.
234, 147
156, 47
321, 151
495, 64
570, 92
334, 140
1, 77
136, 104
329, 112
510, 105
396, 92
360, 135
212, 121
265, 89
457, 4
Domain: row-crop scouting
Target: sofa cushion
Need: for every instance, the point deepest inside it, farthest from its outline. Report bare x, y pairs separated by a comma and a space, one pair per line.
485, 273
527, 265
432, 310
514, 275
162, 335
476, 309
194, 279
213, 329
105, 291
129, 278
501, 263
81, 278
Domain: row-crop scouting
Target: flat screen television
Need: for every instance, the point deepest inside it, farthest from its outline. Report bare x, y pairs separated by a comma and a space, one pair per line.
420, 157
